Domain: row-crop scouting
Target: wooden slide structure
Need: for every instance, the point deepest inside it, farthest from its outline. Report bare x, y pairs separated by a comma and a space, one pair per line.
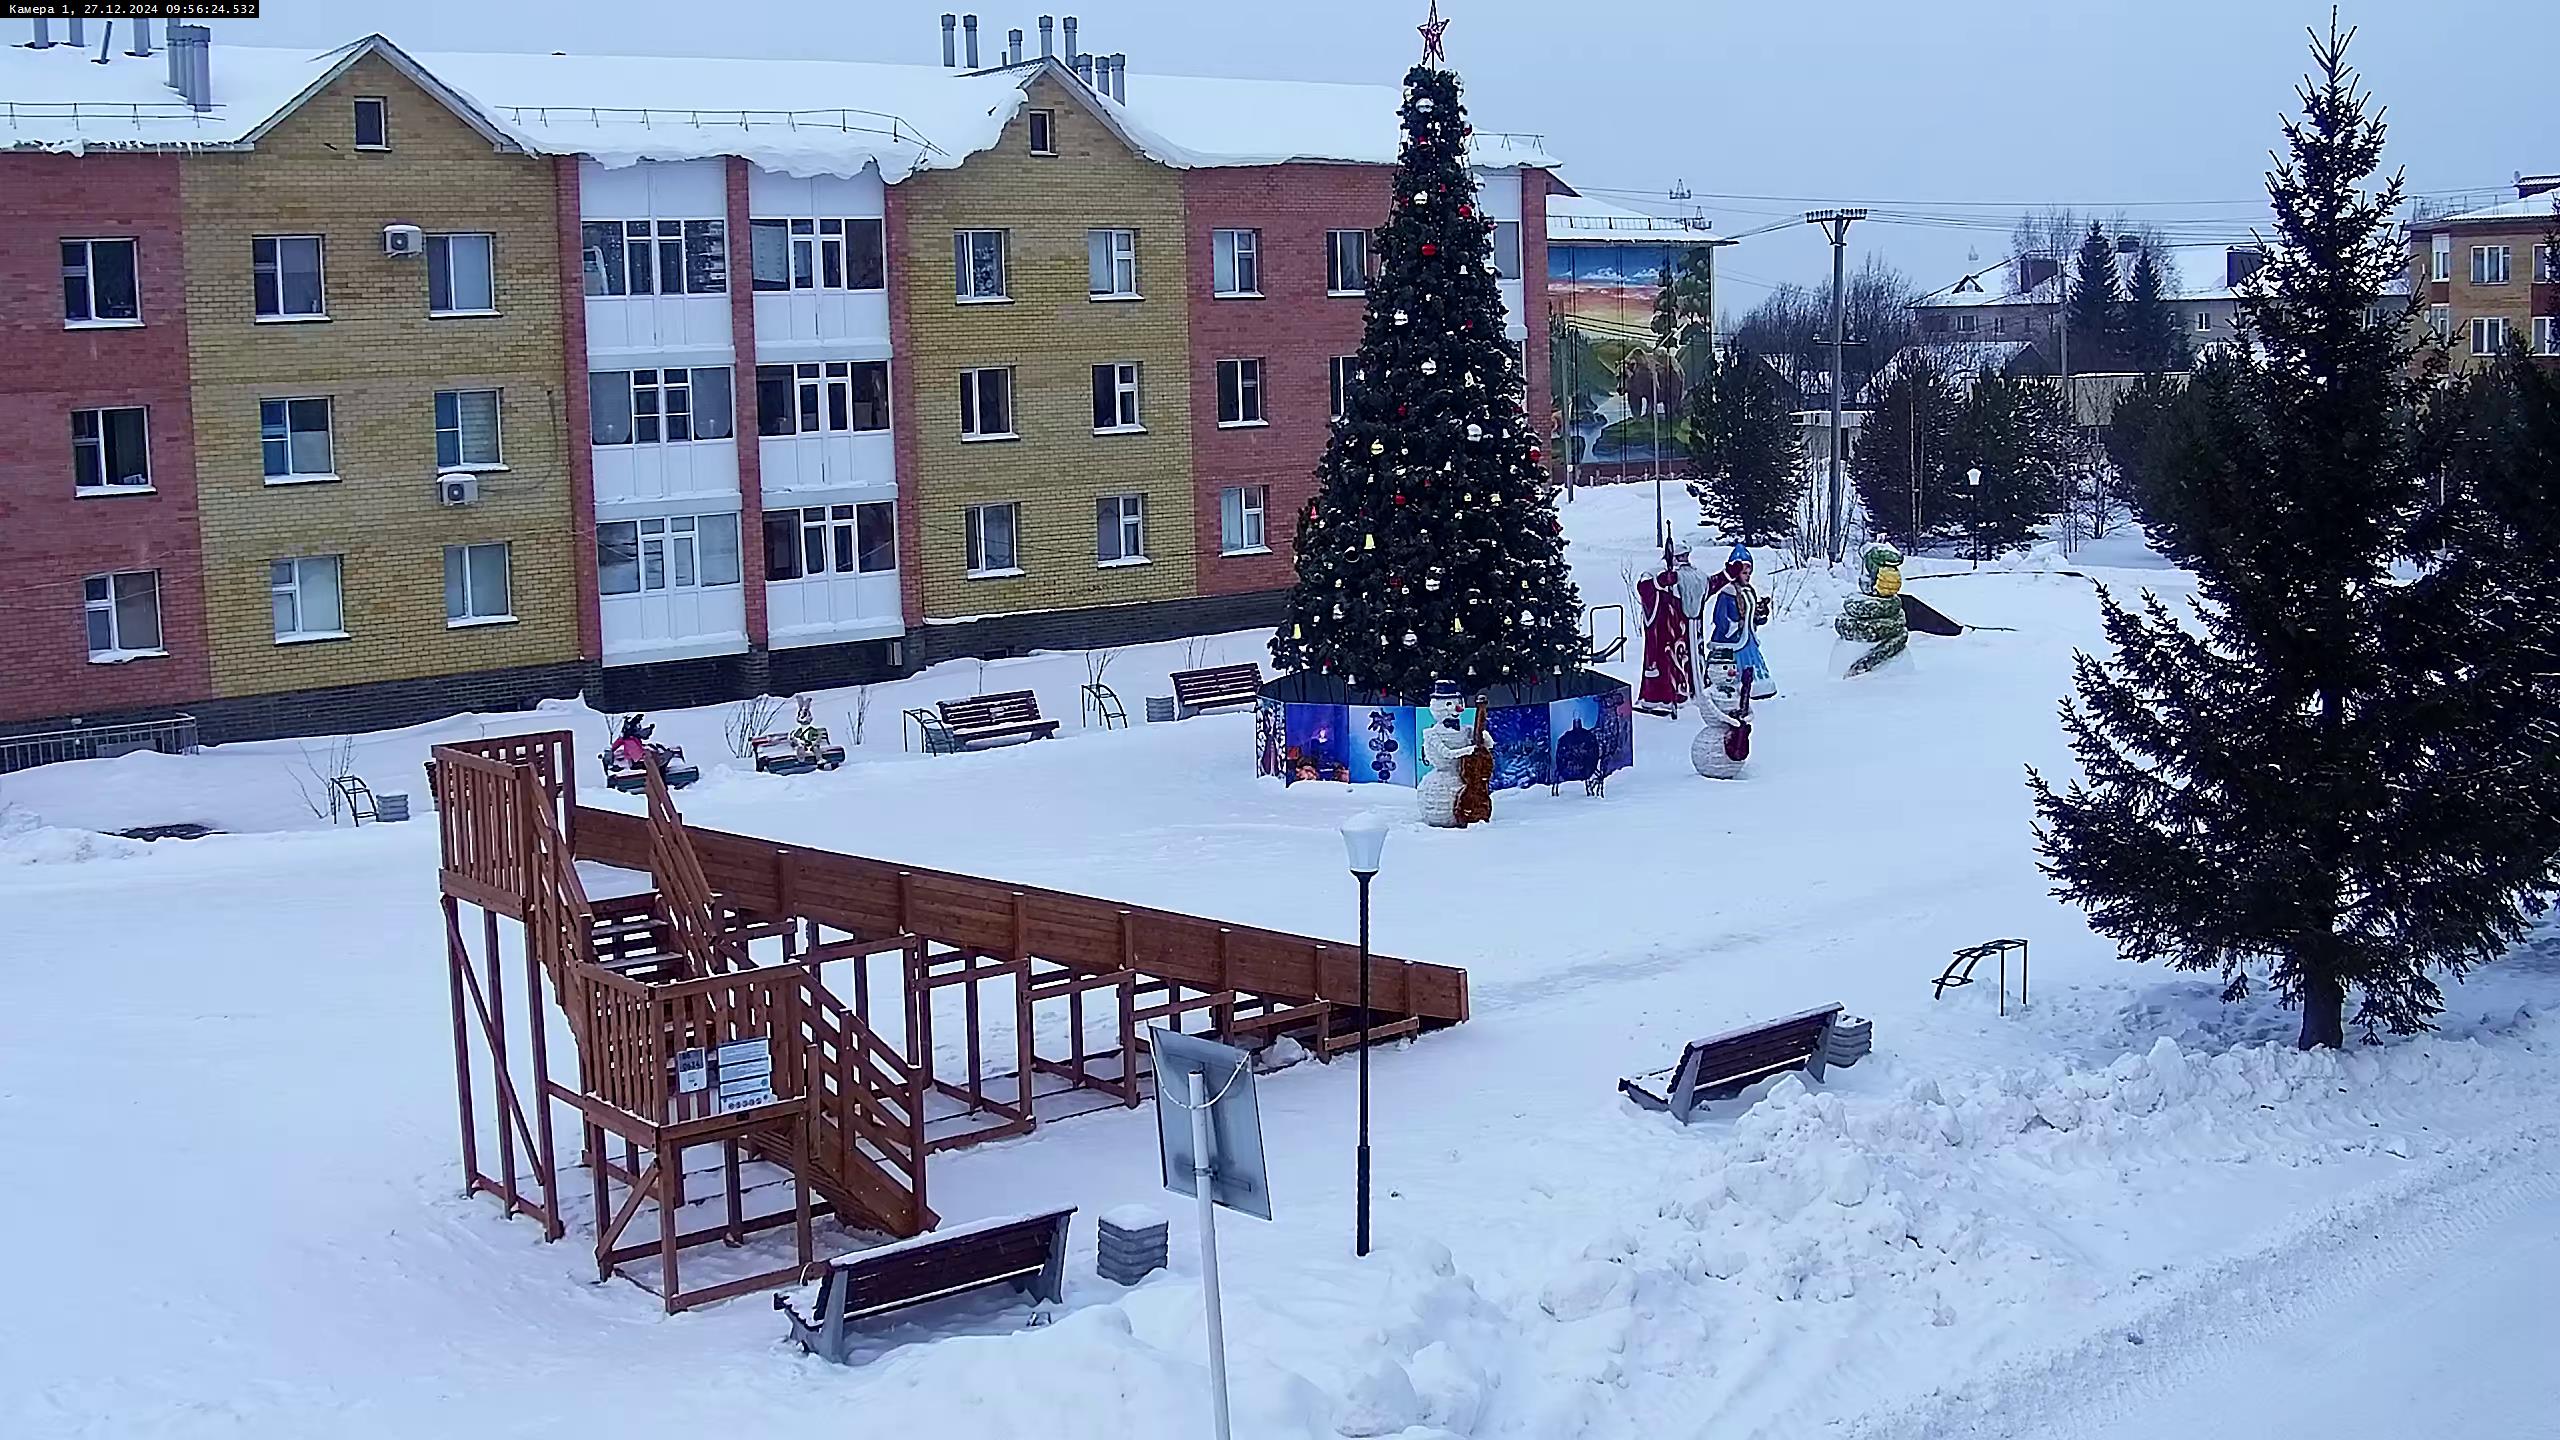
776, 1006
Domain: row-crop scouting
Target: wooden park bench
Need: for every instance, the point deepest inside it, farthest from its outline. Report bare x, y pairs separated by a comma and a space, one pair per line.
1004, 719
1726, 1064
1215, 687
1028, 1252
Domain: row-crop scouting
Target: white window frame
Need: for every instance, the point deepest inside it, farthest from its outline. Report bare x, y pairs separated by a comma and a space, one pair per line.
673, 545
1251, 532
671, 392
102, 595
2440, 256
2204, 321
814, 246
645, 249
1342, 373
973, 395
1041, 130
295, 583
1247, 385
289, 475
440, 259
320, 268
965, 251
99, 441
1967, 322
2546, 334
472, 614
1119, 531
2489, 334
2546, 264
463, 462
1346, 254
975, 526
1111, 257
2440, 322
382, 122
1507, 255
1235, 264
834, 534
87, 270
2492, 264
1124, 378
825, 389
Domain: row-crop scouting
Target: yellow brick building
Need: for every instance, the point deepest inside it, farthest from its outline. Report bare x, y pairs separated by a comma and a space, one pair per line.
372, 147
1050, 331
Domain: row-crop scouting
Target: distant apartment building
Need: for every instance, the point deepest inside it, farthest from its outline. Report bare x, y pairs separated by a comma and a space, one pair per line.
2489, 274
2019, 301
389, 384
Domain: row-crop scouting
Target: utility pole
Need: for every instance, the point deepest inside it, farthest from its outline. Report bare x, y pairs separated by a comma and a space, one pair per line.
1836, 224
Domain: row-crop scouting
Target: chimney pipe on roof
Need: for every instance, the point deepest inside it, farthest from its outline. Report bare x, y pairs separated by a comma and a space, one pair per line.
1083, 66
44, 36
1120, 75
1013, 47
969, 40
79, 33
1072, 51
193, 65
950, 40
141, 40
1047, 24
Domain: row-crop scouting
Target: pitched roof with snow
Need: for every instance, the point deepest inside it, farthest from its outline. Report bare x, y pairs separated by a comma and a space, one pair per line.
798, 116
1582, 219
2190, 273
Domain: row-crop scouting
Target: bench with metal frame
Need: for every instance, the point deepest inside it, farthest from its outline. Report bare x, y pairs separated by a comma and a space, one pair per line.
1726, 1064
1214, 688
1003, 719
1028, 1252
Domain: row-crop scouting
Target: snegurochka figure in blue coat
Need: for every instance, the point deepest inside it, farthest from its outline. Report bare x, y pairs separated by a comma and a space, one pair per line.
1735, 613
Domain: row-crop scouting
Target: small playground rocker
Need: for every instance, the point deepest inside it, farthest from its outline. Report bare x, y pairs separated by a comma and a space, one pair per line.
802, 750
627, 759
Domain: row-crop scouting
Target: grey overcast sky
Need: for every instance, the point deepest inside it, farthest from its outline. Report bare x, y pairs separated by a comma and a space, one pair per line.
1964, 110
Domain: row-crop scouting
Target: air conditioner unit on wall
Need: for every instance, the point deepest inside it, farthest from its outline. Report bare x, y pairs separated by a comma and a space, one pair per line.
457, 489
402, 241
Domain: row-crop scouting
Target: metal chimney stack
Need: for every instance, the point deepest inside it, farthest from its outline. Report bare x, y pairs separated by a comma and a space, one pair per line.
141, 40
969, 40
1120, 75
1047, 24
1013, 47
79, 33
191, 63
44, 36
950, 40
1083, 66
1072, 51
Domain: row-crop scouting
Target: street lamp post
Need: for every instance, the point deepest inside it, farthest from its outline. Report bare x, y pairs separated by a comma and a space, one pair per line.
1364, 841
1973, 489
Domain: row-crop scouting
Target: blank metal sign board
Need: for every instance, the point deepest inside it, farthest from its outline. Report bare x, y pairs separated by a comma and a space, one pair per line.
1239, 1180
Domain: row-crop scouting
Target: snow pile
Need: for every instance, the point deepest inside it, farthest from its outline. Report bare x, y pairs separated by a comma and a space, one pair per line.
26, 840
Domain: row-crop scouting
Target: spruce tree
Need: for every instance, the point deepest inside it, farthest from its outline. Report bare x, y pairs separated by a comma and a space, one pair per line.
2095, 308
1433, 548
1748, 460
2311, 779
2154, 341
1908, 451
2015, 431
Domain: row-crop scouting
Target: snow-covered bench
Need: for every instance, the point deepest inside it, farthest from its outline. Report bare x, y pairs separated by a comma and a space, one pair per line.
1028, 1252
1215, 687
1005, 719
1725, 1064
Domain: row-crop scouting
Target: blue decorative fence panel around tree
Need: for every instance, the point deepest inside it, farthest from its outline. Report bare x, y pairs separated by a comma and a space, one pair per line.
1309, 728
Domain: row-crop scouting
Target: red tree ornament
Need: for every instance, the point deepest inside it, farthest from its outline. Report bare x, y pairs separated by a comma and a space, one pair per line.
1430, 249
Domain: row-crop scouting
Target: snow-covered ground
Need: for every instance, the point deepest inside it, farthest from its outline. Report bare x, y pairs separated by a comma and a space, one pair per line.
226, 1096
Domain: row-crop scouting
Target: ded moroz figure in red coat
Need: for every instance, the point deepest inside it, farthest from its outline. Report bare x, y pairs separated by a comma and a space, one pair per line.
1669, 656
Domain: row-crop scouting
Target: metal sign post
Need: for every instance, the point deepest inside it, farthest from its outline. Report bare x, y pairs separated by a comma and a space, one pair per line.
1213, 1152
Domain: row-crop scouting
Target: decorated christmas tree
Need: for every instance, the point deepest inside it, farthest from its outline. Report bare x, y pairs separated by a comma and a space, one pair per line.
1433, 550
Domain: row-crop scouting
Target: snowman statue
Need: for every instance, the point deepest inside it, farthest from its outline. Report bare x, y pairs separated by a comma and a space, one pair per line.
1445, 743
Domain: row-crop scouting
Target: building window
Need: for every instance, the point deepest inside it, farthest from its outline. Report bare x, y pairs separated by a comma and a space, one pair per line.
1120, 529
307, 602
993, 530
831, 540
285, 276
123, 613
2546, 334
1345, 373
110, 450
1111, 260
462, 274
2488, 334
2440, 321
658, 407
1240, 511
475, 584
1236, 267
1999, 324
467, 430
2440, 263
986, 404
2204, 322
656, 257
680, 552
373, 123
2546, 264
1506, 249
1966, 322
293, 440
1240, 392
977, 264
100, 283
816, 255
1044, 132
822, 397
2489, 264
1115, 398
1346, 262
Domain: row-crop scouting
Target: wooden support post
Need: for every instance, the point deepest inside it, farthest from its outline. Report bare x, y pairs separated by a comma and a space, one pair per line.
498, 1057
735, 1234
455, 958
1223, 1014
969, 1005
1128, 992
546, 1154
1022, 1066
595, 1144
670, 1169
